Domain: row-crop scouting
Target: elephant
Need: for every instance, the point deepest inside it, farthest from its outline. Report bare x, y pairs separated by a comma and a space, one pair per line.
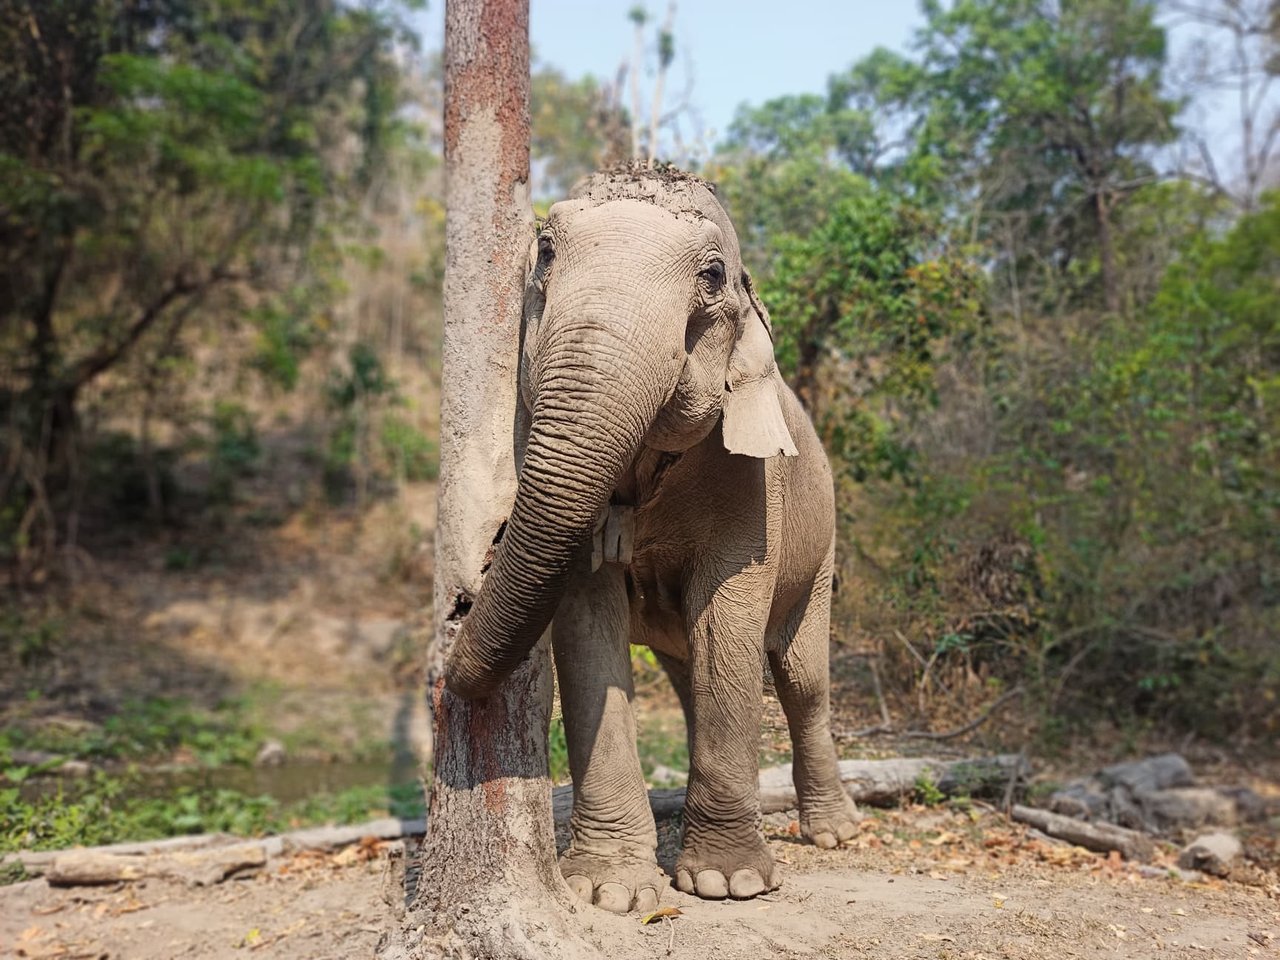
672, 493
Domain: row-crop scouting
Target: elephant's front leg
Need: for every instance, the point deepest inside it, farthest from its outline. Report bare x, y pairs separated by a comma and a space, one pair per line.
724, 853
611, 858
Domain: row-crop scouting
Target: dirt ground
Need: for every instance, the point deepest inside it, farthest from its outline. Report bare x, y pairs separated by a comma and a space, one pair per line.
917, 883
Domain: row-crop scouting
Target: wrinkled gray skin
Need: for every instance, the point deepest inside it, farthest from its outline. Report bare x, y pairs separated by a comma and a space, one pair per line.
648, 370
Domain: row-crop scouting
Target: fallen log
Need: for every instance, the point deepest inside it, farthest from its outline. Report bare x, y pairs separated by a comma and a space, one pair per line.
200, 859
197, 867
36, 862
334, 838
1098, 837
876, 783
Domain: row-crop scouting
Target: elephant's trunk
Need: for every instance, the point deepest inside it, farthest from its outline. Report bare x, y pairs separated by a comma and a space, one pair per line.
598, 392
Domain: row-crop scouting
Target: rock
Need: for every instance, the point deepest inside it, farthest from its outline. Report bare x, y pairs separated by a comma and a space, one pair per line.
75, 768
271, 754
1189, 807
1127, 811
1082, 799
1250, 808
1162, 772
1165, 873
1212, 853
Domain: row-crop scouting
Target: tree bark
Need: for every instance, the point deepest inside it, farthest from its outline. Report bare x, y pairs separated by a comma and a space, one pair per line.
1106, 252
489, 884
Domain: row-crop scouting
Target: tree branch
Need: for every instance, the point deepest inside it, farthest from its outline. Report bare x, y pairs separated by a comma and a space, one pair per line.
108, 355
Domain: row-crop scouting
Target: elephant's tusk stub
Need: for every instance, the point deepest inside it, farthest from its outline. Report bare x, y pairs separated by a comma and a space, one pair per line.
613, 536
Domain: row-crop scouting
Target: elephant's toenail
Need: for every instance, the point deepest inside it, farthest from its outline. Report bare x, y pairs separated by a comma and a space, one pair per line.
613, 897
684, 881
711, 885
746, 883
824, 841
581, 887
647, 900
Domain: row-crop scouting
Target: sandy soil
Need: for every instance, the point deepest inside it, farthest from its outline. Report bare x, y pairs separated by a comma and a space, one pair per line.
919, 883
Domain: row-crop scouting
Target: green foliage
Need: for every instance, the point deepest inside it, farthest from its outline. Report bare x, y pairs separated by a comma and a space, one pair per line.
1174, 581
575, 128
370, 430
1046, 118
28, 642
662, 744
115, 809
558, 751
927, 791
414, 453
233, 448
153, 730
1045, 373
169, 177
871, 290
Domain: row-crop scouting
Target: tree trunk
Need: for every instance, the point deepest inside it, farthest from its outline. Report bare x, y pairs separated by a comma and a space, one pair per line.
665, 55
489, 884
1106, 252
805, 381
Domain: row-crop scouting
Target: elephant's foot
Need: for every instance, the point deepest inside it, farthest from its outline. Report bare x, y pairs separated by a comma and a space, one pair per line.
614, 884
715, 867
828, 823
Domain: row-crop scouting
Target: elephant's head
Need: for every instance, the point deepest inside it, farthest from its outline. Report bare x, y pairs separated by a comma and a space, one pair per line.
641, 328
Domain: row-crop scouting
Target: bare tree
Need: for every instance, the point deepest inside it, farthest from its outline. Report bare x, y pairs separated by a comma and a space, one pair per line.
489, 884
638, 16
666, 53
1235, 59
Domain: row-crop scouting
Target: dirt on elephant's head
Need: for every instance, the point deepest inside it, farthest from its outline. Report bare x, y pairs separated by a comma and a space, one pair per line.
666, 184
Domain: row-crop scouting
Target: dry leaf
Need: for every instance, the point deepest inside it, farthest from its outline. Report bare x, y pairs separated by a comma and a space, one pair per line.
346, 857
659, 914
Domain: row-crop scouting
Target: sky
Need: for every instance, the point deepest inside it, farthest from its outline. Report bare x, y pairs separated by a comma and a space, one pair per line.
739, 50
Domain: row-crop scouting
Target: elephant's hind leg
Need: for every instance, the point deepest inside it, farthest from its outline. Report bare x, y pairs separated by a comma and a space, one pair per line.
801, 672
677, 672
611, 860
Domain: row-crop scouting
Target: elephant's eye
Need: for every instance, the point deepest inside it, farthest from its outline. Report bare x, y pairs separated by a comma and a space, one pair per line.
713, 275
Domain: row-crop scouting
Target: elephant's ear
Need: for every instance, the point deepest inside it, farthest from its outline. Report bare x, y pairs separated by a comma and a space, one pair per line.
753, 422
